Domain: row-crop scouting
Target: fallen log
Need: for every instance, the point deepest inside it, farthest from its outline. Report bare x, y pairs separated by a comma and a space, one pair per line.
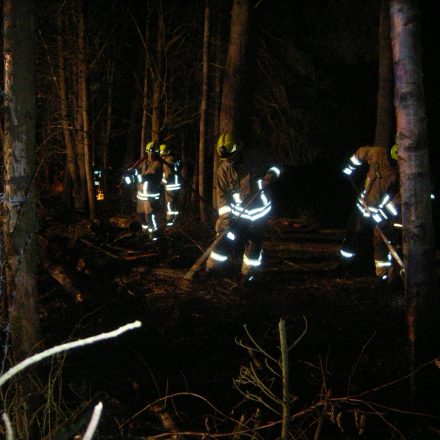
64, 276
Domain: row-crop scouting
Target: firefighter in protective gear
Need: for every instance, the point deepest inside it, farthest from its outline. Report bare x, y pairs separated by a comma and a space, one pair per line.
149, 186
171, 181
243, 202
378, 204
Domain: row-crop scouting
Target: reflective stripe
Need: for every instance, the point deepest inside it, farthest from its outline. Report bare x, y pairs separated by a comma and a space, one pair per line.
127, 180
252, 261
174, 186
385, 200
275, 170
224, 210
383, 214
381, 263
218, 257
170, 211
346, 254
355, 161
362, 209
147, 196
230, 235
237, 198
391, 208
377, 218
252, 214
347, 170
397, 225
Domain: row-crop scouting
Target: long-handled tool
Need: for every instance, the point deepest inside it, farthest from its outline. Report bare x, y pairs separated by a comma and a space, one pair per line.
187, 279
389, 246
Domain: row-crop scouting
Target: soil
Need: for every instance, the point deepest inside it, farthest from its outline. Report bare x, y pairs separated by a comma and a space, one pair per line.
192, 366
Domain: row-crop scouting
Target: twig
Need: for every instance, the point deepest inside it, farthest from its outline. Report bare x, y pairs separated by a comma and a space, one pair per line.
285, 379
8, 427
90, 431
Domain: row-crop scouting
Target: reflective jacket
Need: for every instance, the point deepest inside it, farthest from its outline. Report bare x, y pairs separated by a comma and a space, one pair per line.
382, 178
171, 177
150, 181
240, 191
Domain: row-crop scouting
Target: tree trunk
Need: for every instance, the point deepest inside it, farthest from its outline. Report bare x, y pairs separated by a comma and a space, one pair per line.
71, 161
147, 61
233, 99
157, 78
217, 107
384, 133
418, 234
88, 159
108, 125
20, 225
203, 111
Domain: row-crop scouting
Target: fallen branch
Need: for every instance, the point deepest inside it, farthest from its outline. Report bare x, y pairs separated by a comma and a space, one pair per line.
64, 347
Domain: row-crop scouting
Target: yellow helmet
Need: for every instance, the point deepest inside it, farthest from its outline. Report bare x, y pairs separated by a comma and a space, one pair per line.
152, 147
227, 146
164, 150
394, 152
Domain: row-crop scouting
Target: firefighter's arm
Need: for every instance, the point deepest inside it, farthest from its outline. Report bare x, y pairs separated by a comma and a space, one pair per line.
353, 163
272, 174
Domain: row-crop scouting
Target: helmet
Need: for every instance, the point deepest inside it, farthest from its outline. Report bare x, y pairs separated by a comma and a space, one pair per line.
227, 146
152, 147
394, 152
164, 150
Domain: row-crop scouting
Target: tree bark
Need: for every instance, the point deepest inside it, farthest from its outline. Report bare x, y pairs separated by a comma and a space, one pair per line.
203, 112
88, 156
20, 223
233, 99
418, 234
71, 161
157, 78
384, 132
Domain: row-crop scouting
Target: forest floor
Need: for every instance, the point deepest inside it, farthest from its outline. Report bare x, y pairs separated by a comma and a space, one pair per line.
206, 360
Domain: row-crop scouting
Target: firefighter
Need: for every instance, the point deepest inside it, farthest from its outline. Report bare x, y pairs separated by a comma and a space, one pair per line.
171, 181
243, 203
149, 187
378, 205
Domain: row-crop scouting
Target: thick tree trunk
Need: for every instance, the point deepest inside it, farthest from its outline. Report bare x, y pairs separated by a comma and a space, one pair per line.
233, 99
418, 236
20, 225
203, 112
384, 133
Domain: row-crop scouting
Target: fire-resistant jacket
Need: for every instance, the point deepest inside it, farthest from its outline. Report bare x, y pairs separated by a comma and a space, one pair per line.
171, 178
149, 187
382, 177
241, 192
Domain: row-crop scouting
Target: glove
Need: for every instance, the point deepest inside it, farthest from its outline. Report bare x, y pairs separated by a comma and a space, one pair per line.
272, 174
348, 170
130, 176
223, 223
377, 214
